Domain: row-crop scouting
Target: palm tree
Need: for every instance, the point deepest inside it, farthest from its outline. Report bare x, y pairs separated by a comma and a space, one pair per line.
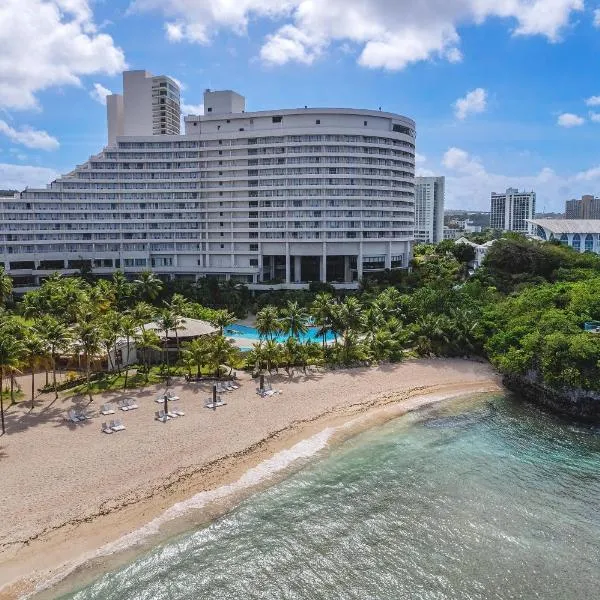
222, 319
290, 352
11, 351
178, 305
143, 313
129, 328
88, 341
33, 352
56, 338
123, 290
294, 319
220, 351
166, 322
271, 354
267, 322
6, 286
196, 351
110, 329
148, 286
322, 314
147, 340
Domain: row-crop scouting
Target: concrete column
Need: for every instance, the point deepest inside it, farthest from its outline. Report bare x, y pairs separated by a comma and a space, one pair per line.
347, 274
287, 262
297, 269
359, 262
388, 257
260, 263
324, 263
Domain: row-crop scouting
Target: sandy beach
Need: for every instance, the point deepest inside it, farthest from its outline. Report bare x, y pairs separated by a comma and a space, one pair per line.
68, 489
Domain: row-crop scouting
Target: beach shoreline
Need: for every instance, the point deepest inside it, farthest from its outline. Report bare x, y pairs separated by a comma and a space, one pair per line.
68, 543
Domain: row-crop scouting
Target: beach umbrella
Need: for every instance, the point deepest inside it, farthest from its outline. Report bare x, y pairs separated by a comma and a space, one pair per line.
262, 383
214, 397
166, 401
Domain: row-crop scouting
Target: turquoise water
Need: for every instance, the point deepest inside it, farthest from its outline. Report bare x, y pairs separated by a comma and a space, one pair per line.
244, 331
488, 500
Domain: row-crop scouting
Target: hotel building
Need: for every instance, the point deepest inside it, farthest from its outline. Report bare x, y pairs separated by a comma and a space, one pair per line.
429, 209
512, 210
587, 207
280, 197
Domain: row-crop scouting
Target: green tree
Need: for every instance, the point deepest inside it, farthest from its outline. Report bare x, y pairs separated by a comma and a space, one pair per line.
11, 351
223, 319
88, 343
267, 322
196, 351
220, 351
34, 352
147, 340
322, 313
148, 286
294, 319
56, 337
128, 330
6, 286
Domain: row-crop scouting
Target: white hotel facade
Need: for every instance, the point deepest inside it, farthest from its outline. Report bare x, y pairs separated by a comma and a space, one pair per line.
271, 197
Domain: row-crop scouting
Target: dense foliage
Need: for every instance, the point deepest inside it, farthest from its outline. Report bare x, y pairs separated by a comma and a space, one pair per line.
524, 310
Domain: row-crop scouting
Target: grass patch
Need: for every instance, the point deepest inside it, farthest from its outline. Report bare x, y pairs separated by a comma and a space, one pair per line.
19, 395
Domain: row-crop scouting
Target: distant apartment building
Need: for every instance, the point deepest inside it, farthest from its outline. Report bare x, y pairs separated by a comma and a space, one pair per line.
587, 207
429, 209
511, 210
149, 105
452, 233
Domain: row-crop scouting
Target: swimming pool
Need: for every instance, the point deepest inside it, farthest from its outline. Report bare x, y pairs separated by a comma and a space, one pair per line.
245, 331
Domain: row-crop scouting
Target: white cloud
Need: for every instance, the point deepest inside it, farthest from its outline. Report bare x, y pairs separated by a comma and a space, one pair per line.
460, 161
32, 138
474, 102
99, 93
48, 43
597, 17
18, 177
469, 184
595, 117
192, 109
570, 120
593, 101
391, 34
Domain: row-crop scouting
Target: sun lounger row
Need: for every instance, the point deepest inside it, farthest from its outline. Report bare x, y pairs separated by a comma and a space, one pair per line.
169, 395
161, 415
226, 386
127, 404
211, 404
115, 425
77, 416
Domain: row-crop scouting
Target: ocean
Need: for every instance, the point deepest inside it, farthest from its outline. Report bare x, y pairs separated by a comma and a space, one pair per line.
479, 499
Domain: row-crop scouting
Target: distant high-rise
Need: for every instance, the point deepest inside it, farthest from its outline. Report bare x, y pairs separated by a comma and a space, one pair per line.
429, 209
511, 210
586, 208
149, 105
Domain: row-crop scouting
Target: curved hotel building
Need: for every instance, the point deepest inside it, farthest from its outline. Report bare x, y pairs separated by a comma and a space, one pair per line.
270, 197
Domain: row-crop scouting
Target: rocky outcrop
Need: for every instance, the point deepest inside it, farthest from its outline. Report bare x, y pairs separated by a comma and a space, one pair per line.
580, 404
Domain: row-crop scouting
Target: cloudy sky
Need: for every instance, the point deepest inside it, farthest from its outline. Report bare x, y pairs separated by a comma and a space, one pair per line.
504, 92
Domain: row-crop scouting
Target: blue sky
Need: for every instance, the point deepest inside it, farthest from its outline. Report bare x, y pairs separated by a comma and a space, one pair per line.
502, 90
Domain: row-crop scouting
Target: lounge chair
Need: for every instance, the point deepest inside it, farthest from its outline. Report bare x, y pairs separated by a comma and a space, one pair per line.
122, 405
234, 386
107, 409
73, 417
131, 403
228, 387
171, 396
161, 416
106, 428
219, 402
179, 413
83, 416
117, 425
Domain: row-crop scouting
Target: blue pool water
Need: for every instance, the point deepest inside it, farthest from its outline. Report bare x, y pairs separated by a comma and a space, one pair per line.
244, 331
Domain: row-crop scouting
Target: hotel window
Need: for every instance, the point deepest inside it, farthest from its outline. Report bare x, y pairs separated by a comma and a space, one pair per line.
277, 119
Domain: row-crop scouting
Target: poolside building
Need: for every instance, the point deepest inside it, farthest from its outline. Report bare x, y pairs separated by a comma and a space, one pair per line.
582, 235
268, 198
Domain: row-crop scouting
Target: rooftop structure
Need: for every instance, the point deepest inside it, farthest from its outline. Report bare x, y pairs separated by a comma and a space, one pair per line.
582, 235
279, 197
